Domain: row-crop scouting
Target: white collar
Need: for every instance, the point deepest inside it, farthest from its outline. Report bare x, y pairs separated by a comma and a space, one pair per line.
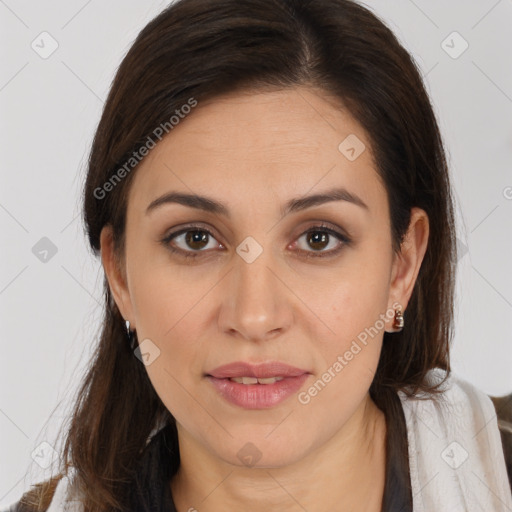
455, 451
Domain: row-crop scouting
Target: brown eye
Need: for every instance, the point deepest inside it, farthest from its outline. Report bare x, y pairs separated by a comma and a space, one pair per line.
318, 240
190, 242
323, 241
196, 239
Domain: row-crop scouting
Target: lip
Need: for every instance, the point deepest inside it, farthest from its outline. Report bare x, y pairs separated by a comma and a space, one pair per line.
260, 371
257, 396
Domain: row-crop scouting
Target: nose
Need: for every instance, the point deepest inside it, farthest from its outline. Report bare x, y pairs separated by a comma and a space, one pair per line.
256, 303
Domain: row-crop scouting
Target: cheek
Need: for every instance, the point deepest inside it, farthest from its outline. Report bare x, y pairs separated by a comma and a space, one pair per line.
348, 355
354, 307
169, 313
356, 292
167, 298
168, 306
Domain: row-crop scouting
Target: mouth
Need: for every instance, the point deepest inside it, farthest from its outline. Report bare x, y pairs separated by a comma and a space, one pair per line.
257, 386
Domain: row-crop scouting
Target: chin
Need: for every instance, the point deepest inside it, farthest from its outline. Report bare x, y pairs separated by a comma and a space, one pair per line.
259, 452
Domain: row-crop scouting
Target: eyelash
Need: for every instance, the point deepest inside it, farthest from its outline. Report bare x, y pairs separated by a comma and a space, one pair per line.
322, 228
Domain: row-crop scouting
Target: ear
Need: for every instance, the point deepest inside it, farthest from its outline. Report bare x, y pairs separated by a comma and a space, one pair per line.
116, 275
407, 262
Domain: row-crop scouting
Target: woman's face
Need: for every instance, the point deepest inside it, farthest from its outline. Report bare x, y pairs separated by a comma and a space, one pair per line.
270, 276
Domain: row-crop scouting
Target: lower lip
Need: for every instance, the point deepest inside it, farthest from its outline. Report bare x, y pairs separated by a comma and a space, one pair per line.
258, 396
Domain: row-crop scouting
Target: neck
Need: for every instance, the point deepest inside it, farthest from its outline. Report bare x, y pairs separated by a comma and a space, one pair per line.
345, 473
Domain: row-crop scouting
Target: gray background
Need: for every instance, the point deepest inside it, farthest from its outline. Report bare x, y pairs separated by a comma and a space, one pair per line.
51, 302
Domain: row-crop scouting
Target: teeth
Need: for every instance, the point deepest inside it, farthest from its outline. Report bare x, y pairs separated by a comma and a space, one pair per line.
254, 380
270, 380
245, 380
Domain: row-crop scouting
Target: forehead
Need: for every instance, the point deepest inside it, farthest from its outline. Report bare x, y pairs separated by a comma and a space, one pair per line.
253, 144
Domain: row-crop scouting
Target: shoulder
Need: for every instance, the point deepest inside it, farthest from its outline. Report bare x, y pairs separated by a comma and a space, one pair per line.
495, 411
461, 411
503, 407
38, 498
53, 495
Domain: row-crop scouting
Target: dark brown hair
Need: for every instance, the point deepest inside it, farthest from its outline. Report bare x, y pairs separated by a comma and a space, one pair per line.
203, 48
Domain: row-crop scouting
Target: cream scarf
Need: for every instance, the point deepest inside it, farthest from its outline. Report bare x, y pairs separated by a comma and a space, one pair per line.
455, 453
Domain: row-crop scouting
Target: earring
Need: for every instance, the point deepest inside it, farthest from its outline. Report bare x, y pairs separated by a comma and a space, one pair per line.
131, 336
399, 320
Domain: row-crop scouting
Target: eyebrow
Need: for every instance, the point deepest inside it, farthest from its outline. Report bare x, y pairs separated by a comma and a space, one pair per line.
210, 205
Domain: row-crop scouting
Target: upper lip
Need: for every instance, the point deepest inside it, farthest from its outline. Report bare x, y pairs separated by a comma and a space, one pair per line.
260, 371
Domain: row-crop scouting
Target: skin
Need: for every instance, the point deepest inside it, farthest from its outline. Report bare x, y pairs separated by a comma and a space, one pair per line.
253, 151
